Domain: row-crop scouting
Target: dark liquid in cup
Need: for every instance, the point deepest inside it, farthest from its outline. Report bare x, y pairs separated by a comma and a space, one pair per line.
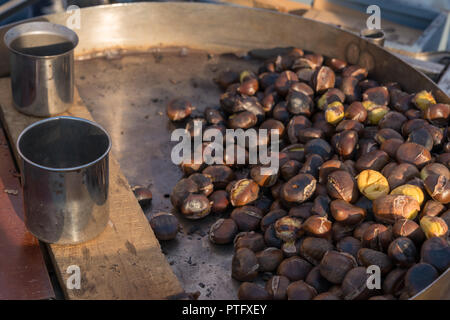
42, 44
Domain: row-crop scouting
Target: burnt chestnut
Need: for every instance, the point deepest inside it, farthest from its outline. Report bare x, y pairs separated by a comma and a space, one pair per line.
335, 265
269, 259
345, 143
317, 226
165, 225
271, 217
242, 120
288, 228
290, 169
340, 230
349, 245
321, 206
213, 116
355, 71
313, 249
181, 191
323, 79
320, 147
227, 78
394, 281
223, 231
403, 252
438, 187
436, 251
244, 265
326, 296
390, 146
356, 111
413, 153
219, 201
377, 237
368, 257
299, 103
373, 160
247, 218
390, 208
178, 109
410, 229
143, 196
251, 240
243, 192
312, 165
419, 277
264, 178
204, 183
354, 286
271, 239
298, 189
221, 175
341, 185
335, 64
346, 213
330, 96
392, 120
358, 232
315, 280
402, 173
300, 290
294, 268
302, 211
277, 287
252, 291
195, 206
438, 114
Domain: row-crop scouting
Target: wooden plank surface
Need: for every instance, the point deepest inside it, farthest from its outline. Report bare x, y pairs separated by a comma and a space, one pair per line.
23, 274
125, 261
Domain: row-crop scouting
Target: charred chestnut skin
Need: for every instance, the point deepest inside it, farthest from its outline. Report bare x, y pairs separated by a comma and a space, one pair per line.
436, 251
419, 277
298, 189
165, 225
252, 291
294, 268
403, 252
223, 231
244, 266
335, 265
341, 185
277, 287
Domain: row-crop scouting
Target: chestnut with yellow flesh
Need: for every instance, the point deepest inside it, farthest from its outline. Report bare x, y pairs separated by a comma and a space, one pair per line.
433, 226
372, 184
334, 112
423, 100
410, 190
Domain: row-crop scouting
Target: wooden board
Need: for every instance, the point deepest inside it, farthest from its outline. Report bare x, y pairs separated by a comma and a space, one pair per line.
23, 274
125, 261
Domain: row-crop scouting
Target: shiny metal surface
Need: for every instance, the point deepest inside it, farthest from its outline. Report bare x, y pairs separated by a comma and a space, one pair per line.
41, 62
65, 179
127, 94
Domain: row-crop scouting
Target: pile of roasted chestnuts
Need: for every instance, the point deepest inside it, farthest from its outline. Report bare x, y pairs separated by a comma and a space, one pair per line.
363, 181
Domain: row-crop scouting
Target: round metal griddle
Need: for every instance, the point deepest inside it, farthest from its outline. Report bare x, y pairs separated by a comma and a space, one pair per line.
126, 83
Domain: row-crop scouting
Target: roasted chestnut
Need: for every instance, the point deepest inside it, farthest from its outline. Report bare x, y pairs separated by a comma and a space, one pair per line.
165, 225
335, 265
294, 268
244, 265
223, 231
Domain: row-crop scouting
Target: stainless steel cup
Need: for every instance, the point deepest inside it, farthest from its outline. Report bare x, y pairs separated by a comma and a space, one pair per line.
41, 59
65, 179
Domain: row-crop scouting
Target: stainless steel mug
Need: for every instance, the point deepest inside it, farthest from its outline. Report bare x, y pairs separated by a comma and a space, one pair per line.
41, 59
65, 177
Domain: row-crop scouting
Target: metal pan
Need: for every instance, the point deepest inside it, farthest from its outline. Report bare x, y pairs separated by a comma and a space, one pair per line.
127, 94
